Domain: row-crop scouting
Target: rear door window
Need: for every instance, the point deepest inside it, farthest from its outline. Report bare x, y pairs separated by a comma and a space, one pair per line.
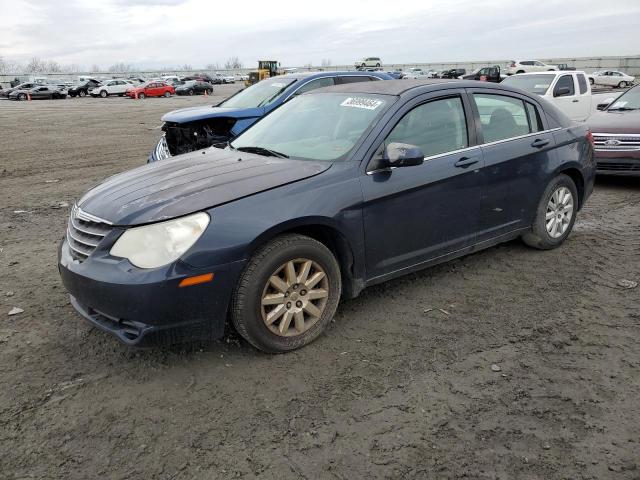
501, 117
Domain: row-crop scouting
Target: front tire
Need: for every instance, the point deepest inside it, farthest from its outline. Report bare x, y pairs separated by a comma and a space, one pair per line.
82, 93
103, 94
555, 215
141, 96
622, 85
591, 81
22, 96
287, 294
167, 94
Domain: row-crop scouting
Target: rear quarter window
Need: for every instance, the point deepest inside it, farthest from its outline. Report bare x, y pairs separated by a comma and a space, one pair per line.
582, 83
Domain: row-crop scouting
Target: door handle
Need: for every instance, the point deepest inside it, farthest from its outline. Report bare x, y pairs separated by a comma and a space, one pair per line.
575, 101
465, 162
540, 142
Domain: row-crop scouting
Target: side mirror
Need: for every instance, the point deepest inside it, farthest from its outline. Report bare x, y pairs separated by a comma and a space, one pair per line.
402, 155
561, 92
605, 104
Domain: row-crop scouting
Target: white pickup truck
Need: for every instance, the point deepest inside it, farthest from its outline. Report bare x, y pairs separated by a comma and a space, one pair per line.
570, 91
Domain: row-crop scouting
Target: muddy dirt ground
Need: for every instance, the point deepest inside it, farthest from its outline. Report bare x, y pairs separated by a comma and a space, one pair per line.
401, 385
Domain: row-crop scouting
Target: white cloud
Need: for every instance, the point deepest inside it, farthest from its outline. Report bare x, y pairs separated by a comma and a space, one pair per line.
153, 33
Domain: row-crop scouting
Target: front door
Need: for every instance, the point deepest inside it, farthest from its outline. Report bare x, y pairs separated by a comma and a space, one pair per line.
567, 99
415, 214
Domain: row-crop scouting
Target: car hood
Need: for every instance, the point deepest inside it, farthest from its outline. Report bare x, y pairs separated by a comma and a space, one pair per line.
191, 114
189, 183
615, 122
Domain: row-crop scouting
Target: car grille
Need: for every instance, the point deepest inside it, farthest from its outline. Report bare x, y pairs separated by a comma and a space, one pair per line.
613, 142
618, 167
84, 233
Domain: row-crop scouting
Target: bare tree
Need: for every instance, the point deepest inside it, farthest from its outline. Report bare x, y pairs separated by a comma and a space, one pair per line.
120, 67
95, 68
308, 66
213, 66
186, 66
35, 65
232, 63
326, 62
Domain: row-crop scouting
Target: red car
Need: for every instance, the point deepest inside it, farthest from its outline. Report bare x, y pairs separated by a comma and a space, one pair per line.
151, 89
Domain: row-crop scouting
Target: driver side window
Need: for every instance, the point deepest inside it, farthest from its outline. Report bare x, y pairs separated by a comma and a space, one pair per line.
312, 85
435, 127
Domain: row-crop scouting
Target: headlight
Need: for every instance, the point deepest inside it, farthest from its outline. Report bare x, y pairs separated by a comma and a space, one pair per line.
161, 243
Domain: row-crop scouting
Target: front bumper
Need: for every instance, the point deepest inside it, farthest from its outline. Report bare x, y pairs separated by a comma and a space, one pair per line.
142, 307
160, 151
609, 164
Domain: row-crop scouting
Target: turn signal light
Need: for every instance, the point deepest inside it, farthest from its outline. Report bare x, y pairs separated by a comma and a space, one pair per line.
198, 279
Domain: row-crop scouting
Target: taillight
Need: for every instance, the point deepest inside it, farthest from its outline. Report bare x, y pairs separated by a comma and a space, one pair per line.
590, 138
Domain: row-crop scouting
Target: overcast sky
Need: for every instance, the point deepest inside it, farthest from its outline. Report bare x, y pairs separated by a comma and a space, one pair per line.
155, 33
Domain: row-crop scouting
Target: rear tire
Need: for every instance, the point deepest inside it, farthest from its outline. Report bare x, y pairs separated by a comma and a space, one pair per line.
167, 94
300, 321
22, 96
190, 92
82, 93
141, 96
519, 71
551, 212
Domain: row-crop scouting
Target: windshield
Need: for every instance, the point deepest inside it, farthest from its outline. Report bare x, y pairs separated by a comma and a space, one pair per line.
630, 100
261, 94
530, 83
324, 126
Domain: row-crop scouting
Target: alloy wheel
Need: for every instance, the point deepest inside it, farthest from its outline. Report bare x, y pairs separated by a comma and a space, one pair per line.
559, 212
295, 297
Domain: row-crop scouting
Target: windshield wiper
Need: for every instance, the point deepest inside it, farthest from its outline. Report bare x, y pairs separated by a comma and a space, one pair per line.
262, 151
623, 109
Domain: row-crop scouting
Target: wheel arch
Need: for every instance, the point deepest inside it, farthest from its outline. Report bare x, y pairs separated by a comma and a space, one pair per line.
576, 175
330, 235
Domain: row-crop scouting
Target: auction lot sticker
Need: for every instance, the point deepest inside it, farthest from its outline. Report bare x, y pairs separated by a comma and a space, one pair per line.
360, 102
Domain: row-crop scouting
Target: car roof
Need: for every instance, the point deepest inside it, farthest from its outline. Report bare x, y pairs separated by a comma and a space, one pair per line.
410, 87
351, 73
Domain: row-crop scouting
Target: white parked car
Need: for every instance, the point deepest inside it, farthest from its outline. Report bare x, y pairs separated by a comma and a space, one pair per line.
171, 79
528, 66
612, 78
368, 62
116, 86
415, 73
569, 91
223, 78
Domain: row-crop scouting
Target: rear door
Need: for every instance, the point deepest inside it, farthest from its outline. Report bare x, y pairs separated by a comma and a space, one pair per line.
518, 153
416, 214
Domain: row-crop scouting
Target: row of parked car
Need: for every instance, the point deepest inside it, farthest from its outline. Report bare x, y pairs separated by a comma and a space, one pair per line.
493, 73
135, 88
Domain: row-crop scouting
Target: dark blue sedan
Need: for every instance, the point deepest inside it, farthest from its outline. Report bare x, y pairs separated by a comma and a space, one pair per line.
336, 190
195, 128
